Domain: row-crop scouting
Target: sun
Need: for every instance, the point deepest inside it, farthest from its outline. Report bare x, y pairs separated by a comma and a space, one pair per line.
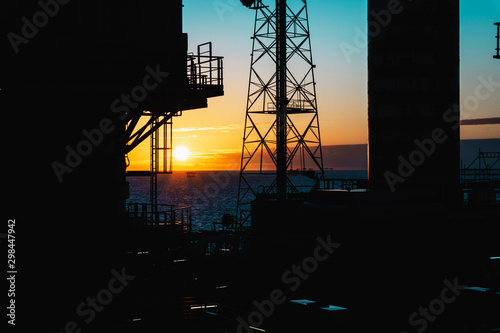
181, 153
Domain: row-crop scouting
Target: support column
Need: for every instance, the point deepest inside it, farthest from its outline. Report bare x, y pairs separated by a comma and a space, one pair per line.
281, 130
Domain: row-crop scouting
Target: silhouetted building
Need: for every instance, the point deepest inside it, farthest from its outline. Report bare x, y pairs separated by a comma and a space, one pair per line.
413, 95
74, 72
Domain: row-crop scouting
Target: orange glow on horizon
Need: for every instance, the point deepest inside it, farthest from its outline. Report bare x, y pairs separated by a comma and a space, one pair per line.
215, 135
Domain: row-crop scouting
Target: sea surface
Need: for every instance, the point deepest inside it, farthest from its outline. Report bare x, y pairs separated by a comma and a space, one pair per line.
211, 194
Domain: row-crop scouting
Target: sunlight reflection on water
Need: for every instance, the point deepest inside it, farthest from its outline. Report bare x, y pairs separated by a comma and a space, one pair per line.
211, 194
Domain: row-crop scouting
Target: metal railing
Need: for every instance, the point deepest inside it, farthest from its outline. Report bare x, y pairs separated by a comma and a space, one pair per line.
294, 105
341, 184
174, 216
480, 180
483, 168
290, 189
320, 184
204, 69
479, 175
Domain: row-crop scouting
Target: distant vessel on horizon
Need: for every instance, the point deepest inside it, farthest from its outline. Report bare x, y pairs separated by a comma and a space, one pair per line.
191, 174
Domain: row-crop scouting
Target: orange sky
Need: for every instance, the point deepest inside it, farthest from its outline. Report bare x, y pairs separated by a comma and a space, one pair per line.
218, 146
215, 135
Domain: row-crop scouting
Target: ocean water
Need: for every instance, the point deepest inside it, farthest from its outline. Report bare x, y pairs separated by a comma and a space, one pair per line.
211, 194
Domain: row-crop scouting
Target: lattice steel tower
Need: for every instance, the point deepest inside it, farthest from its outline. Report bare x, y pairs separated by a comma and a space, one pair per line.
281, 125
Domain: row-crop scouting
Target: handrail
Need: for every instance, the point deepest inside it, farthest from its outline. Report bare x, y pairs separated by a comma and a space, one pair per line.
166, 215
205, 69
342, 184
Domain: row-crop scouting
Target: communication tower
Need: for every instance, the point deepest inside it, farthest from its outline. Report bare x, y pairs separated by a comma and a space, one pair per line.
281, 124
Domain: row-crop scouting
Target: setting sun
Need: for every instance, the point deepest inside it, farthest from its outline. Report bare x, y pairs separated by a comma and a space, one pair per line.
181, 153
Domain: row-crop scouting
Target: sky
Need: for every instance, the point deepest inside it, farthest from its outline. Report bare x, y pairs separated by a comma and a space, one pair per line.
214, 135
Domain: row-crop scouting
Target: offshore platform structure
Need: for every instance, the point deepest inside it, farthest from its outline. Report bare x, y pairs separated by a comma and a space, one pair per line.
202, 78
281, 124
94, 77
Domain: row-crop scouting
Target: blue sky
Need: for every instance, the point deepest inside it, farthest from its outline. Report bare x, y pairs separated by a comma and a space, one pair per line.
341, 80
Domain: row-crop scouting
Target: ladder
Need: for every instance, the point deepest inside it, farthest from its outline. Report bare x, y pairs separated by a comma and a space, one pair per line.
161, 156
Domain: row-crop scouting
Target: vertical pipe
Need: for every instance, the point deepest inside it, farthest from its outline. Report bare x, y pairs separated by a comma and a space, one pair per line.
281, 143
210, 61
154, 168
171, 147
157, 146
165, 146
498, 39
